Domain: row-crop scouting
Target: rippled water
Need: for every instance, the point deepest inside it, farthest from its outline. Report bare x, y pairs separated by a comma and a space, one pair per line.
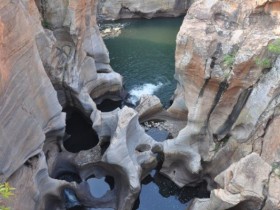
144, 54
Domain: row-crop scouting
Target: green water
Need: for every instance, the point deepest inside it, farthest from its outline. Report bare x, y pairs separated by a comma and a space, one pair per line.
144, 54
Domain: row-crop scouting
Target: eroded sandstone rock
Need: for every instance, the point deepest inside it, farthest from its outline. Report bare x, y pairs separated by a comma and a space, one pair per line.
227, 95
112, 10
76, 58
243, 186
29, 109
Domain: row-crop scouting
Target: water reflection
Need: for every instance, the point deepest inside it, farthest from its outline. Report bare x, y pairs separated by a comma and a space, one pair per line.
159, 193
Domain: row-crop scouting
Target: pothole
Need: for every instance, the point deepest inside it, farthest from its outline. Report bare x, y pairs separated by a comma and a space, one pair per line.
100, 186
157, 130
81, 135
108, 105
160, 193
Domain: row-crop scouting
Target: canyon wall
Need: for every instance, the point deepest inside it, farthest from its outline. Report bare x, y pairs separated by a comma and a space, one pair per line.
51, 57
228, 73
227, 68
113, 10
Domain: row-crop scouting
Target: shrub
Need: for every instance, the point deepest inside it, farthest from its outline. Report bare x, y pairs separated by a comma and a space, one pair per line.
263, 63
229, 60
5, 192
274, 47
46, 24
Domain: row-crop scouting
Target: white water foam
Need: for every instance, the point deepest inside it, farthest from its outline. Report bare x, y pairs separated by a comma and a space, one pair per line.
146, 89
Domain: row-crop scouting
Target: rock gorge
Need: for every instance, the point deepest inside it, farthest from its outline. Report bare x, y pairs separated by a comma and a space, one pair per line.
52, 57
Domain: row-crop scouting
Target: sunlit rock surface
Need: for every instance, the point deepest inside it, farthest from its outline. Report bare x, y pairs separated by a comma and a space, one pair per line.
52, 56
112, 10
74, 55
29, 109
225, 91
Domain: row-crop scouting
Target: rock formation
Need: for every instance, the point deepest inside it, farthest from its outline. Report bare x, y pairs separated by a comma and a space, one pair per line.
112, 10
29, 108
228, 87
67, 54
74, 54
227, 99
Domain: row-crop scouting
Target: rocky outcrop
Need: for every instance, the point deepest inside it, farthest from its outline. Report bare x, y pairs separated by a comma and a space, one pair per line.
242, 185
227, 68
65, 59
228, 72
74, 55
112, 10
29, 109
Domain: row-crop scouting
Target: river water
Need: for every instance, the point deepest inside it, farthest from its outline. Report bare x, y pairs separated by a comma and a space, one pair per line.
144, 55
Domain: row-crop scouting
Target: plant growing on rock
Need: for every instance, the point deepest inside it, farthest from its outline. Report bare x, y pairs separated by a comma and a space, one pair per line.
228, 60
263, 63
46, 24
6, 191
274, 47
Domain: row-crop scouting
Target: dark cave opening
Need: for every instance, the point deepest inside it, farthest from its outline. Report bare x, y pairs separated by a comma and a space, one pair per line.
108, 105
80, 134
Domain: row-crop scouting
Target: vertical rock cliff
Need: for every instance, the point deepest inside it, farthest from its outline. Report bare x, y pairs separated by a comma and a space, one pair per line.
227, 68
50, 52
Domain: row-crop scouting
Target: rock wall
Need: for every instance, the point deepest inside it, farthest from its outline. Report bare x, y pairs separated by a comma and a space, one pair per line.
29, 109
112, 10
228, 87
74, 54
51, 56
228, 73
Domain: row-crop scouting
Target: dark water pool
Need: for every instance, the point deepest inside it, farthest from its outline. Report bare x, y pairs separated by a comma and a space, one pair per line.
159, 193
81, 136
144, 54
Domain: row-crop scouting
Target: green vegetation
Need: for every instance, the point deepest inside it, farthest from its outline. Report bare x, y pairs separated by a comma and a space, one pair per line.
229, 60
274, 47
221, 143
276, 168
6, 191
263, 63
46, 24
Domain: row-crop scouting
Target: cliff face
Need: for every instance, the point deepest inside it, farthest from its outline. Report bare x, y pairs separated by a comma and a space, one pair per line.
112, 10
29, 108
228, 87
74, 54
65, 59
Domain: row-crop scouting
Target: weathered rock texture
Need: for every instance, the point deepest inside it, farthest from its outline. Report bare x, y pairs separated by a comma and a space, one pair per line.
230, 97
227, 92
68, 54
74, 55
29, 109
117, 9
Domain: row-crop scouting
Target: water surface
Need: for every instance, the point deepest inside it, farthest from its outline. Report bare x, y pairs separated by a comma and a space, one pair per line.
144, 55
